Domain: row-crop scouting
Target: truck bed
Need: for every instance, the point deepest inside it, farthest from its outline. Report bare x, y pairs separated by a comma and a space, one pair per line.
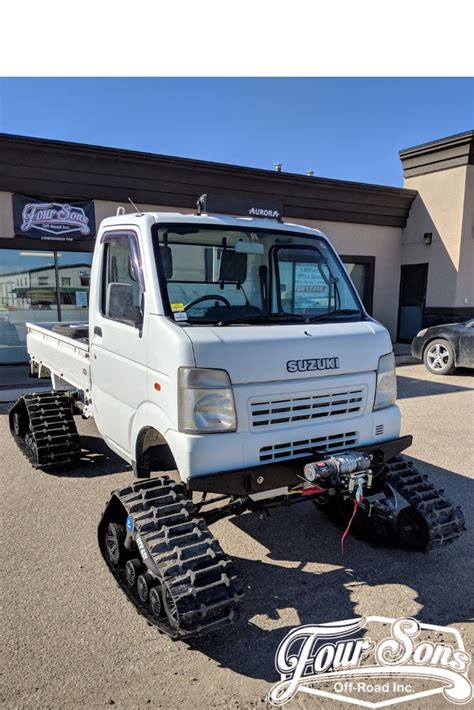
66, 357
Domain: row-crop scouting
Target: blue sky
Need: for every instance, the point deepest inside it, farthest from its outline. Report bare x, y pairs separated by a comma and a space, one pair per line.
349, 129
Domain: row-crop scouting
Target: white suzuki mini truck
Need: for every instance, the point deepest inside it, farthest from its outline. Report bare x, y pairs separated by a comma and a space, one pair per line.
235, 352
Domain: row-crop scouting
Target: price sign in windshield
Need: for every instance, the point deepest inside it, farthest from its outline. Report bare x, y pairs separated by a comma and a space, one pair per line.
311, 290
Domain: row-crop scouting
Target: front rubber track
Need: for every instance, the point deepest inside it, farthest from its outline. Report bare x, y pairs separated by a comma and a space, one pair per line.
196, 587
429, 522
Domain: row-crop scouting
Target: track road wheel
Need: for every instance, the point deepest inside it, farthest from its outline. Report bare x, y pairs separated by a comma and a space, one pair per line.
133, 570
144, 583
170, 607
413, 532
155, 601
114, 543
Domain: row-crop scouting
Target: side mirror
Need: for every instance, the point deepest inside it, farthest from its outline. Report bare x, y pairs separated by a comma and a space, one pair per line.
120, 306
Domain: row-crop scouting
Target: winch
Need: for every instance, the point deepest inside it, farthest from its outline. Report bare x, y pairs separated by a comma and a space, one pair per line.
341, 469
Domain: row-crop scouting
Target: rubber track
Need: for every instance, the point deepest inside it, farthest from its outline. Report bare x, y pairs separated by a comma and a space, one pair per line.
186, 556
54, 437
445, 521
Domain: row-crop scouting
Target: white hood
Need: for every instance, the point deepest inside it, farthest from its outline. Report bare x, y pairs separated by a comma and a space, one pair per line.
264, 353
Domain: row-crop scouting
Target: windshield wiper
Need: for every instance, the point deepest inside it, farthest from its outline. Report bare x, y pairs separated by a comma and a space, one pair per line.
331, 314
265, 318
280, 317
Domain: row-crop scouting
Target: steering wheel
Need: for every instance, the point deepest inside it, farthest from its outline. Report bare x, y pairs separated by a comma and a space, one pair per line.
209, 297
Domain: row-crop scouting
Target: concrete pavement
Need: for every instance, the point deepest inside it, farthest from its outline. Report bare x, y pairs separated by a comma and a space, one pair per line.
71, 640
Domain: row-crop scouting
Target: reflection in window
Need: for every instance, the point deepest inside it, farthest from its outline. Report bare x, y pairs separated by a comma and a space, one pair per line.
28, 293
358, 275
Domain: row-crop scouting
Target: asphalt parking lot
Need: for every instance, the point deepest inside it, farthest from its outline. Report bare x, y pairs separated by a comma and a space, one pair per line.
71, 640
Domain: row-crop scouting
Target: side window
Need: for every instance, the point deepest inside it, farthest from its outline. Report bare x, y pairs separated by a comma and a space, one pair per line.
121, 292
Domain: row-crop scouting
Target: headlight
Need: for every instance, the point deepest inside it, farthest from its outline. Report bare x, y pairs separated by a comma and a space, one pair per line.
386, 388
205, 401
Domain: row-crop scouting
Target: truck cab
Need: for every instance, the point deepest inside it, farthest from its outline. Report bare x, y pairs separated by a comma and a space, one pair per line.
228, 342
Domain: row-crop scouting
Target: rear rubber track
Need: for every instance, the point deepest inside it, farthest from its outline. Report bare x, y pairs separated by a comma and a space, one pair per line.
42, 425
193, 575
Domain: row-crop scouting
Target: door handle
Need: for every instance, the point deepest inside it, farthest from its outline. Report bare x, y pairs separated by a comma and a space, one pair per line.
98, 331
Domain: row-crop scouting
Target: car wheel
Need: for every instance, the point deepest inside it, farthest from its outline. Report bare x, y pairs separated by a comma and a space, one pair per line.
438, 357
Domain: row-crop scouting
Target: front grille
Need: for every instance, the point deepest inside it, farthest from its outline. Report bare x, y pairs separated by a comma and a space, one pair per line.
304, 447
300, 407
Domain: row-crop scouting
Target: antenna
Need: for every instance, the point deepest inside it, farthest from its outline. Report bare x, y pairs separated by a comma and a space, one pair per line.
134, 206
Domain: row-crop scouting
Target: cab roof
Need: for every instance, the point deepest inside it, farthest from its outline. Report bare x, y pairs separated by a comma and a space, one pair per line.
223, 220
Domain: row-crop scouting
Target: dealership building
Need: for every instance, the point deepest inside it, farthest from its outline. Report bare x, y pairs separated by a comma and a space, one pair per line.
409, 250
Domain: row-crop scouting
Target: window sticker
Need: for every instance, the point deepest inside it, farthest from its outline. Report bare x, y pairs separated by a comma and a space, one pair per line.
181, 315
311, 290
176, 307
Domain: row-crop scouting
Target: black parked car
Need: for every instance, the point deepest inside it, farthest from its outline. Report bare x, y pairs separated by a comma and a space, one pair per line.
443, 348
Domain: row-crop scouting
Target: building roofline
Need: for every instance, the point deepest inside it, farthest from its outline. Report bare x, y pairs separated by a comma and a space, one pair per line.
455, 139
442, 154
128, 153
46, 167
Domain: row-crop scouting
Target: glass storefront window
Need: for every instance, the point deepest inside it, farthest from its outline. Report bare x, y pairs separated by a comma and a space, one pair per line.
74, 269
358, 274
29, 285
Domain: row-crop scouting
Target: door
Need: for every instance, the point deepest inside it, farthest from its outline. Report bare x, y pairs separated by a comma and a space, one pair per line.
118, 341
361, 270
412, 301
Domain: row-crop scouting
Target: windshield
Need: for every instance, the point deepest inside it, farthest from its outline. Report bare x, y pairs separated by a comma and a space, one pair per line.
224, 276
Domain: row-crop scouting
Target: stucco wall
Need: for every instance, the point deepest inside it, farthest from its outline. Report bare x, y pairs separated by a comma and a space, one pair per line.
105, 209
369, 240
439, 209
465, 282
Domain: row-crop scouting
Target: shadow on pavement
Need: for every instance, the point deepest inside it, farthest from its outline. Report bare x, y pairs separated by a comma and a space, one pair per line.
414, 387
96, 460
288, 595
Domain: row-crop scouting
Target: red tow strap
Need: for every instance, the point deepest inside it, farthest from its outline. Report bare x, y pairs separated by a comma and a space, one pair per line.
310, 491
346, 531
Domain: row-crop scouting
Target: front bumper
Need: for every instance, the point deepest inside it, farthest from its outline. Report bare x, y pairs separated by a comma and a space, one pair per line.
257, 479
417, 348
209, 454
